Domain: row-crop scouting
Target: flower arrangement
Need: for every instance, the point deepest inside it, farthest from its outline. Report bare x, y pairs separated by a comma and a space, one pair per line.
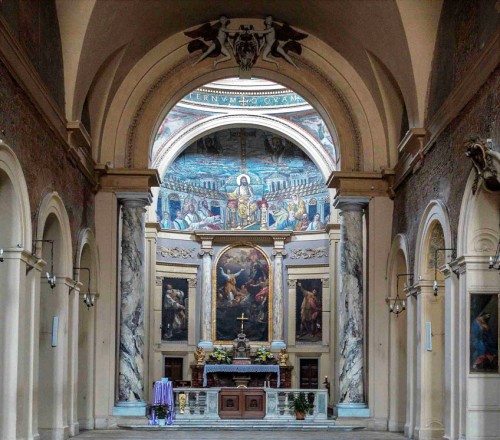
221, 356
263, 355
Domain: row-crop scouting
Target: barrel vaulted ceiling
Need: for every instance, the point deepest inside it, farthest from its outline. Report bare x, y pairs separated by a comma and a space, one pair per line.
388, 43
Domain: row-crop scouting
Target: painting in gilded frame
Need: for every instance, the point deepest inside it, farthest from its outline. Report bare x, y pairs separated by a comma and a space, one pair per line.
174, 315
242, 285
484, 333
308, 311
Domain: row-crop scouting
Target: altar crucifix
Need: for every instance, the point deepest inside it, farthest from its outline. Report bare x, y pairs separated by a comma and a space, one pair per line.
242, 319
241, 345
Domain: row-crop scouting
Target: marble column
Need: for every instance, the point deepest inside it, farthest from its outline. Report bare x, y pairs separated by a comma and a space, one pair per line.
206, 299
350, 310
131, 354
278, 340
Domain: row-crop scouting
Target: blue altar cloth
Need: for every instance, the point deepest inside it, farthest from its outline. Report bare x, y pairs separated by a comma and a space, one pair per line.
229, 368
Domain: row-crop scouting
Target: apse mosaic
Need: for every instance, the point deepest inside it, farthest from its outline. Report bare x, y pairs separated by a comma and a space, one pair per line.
243, 178
242, 289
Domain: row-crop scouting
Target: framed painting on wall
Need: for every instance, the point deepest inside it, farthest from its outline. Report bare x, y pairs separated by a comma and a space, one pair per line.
484, 333
174, 314
242, 285
308, 325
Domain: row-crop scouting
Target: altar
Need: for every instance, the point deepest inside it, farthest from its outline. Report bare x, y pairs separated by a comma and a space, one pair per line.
243, 369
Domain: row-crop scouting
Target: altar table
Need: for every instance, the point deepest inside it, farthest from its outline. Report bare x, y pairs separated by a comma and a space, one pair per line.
229, 368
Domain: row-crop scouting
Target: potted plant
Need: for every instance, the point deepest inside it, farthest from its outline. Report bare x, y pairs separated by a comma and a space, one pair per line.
264, 356
159, 412
299, 405
220, 356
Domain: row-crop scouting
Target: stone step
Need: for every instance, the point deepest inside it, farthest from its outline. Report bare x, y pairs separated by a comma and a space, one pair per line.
243, 425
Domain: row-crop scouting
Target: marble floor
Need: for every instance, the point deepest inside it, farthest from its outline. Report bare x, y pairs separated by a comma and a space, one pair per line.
232, 435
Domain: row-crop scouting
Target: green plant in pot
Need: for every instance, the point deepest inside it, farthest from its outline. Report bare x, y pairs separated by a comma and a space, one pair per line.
300, 405
161, 412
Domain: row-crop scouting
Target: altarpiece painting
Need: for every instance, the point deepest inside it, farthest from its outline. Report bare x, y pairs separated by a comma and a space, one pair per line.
242, 285
484, 333
174, 315
308, 311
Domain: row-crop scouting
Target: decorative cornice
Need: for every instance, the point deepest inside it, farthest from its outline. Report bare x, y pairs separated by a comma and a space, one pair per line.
243, 237
362, 184
411, 154
309, 253
176, 252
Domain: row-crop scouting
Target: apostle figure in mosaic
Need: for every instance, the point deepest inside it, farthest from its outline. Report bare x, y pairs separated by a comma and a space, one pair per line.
179, 223
316, 224
244, 195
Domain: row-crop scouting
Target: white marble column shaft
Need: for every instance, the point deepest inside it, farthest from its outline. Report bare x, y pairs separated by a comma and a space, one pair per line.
206, 300
278, 310
350, 306
131, 357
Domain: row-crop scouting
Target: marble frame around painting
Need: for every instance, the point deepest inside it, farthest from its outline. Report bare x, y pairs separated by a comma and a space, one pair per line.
308, 284
181, 284
269, 295
484, 333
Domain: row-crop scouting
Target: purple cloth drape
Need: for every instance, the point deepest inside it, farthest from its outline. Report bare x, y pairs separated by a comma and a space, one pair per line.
163, 393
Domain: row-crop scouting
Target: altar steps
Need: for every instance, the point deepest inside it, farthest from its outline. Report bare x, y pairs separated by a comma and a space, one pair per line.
244, 425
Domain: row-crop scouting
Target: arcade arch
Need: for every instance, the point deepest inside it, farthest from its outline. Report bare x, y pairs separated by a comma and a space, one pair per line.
54, 391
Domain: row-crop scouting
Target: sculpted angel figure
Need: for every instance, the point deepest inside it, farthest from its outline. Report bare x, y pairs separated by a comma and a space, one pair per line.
217, 35
279, 40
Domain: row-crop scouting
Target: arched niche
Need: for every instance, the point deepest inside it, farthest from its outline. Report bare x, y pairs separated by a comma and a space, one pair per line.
167, 74
399, 282
434, 235
478, 298
15, 236
87, 275
54, 340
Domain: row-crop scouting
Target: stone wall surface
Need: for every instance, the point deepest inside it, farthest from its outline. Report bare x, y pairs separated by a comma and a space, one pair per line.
445, 168
36, 27
465, 28
43, 158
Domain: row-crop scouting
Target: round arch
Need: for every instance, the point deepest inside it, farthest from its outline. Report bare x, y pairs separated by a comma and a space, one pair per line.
52, 204
478, 221
9, 164
167, 75
434, 212
300, 137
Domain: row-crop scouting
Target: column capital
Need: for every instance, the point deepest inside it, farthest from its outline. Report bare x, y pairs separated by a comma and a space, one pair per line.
134, 199
352, 203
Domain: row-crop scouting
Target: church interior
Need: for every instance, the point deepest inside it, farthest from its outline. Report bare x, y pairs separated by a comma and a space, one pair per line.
242, 204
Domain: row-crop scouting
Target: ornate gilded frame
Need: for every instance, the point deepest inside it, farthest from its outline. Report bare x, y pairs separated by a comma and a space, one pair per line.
214, 292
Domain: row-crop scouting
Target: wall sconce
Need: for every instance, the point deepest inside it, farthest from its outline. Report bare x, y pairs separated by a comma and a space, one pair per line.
435, 284
495, 261
398, 305
2, 259
88, 298
51, 278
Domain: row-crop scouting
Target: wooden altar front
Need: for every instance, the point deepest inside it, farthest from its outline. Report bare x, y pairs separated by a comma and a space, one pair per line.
242, 403
257, 380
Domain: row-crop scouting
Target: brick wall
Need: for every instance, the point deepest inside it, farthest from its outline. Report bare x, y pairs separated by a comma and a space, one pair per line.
43, 157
